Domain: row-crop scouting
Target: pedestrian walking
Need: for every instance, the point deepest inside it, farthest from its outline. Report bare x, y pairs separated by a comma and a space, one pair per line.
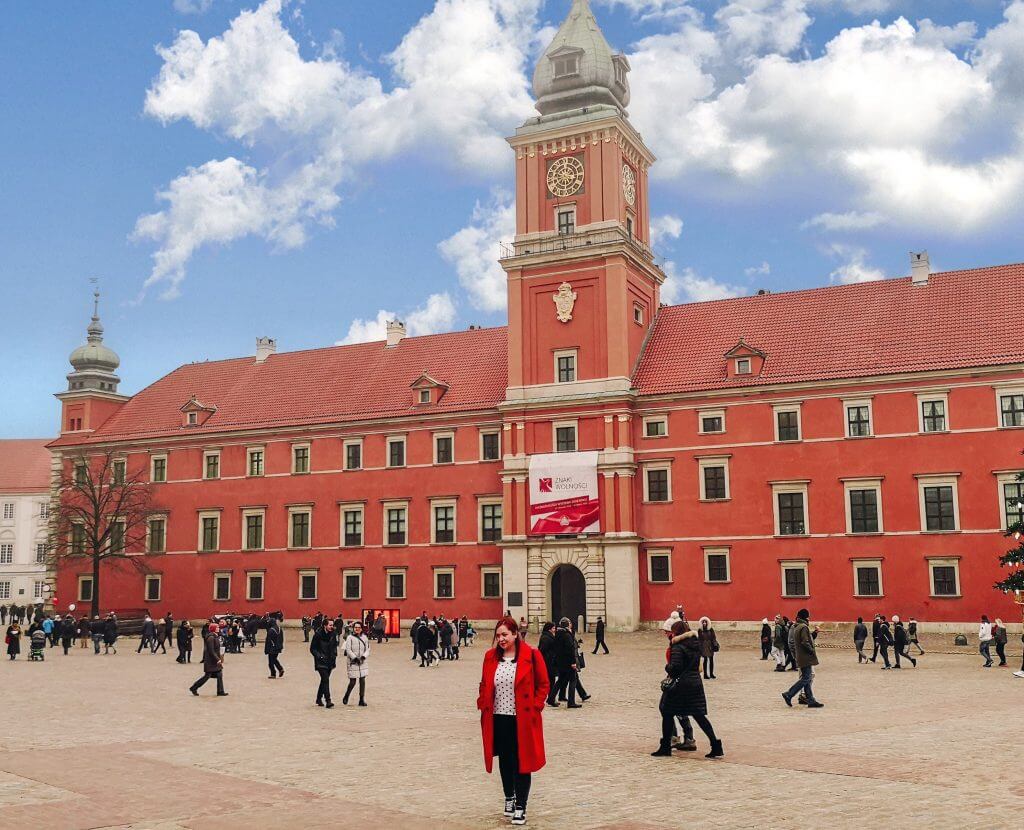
985, 641
273, 646
885, 640
912, 633
806, 657
513, 687
48, 630
12, 640
357, 650
766, 639
779, 643
414, 631
860, 636
83, 631
901, 642
546, 647
999, 638
682, 691
379, 628
213, 662
307, 626
67, 632
464, 631
564, 659
599, 636
110, 633
876, 627
163, 632
324, 648
708, 647
96, 629
148, 635
184, 640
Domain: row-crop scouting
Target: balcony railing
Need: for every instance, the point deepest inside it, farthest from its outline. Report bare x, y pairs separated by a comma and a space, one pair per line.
554, 243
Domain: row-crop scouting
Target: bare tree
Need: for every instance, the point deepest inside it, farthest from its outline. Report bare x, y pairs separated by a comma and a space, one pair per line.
102, 514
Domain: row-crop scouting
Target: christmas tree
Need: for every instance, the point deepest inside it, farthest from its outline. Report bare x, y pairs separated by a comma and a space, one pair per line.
1014, 558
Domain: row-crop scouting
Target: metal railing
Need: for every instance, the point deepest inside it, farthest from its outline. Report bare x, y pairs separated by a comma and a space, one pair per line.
574, 241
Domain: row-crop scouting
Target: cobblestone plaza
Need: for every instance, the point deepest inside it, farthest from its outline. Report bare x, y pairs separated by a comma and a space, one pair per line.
117, 742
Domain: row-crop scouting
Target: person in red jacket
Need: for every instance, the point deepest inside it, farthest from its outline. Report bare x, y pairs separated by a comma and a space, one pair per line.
513, 688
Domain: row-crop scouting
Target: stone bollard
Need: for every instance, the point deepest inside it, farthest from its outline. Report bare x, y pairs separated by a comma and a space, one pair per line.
960, 640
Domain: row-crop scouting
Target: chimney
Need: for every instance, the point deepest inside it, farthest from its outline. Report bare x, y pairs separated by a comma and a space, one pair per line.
920, 268
396, 331
265, 347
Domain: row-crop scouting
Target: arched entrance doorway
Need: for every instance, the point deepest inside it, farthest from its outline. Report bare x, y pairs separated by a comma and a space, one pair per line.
568, 594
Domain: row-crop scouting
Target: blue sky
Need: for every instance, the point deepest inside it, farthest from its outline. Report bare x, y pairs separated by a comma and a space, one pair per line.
302, 170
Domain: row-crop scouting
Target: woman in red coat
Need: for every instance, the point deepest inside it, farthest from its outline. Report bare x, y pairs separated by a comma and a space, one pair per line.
513, 689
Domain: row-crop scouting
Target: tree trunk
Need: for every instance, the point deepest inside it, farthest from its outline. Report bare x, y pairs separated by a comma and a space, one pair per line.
95, 612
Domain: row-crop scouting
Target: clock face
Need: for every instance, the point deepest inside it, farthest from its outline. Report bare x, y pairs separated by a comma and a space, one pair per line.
629, 184
565, 176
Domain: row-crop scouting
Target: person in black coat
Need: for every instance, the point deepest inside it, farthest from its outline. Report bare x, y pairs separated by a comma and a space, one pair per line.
860, 636
546, 647
213, 663
273, 646
884, 641
307, 627
599, 636
766, 639
901, 642
67, 632
564, 659
324, 648
427, 639
148, 635
184, 639
876, 627
684, 694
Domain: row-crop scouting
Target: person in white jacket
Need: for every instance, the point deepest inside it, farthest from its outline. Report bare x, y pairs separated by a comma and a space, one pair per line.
985, 641
357, 649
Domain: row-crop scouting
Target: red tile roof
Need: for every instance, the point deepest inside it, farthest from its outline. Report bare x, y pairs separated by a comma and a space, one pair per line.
24, 465
960, 319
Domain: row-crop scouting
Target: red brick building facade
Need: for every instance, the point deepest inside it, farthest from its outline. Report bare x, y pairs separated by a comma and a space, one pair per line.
850, 448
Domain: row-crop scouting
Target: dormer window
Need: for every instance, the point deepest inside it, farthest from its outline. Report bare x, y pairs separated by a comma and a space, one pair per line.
193, 418
567, 65
744, 359
424, 396
427, 390
195, 413
743, 366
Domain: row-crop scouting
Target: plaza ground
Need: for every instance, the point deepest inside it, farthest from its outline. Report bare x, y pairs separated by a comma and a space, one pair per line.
117, 742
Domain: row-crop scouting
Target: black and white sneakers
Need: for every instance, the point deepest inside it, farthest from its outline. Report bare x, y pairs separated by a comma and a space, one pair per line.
510, 806
519, 816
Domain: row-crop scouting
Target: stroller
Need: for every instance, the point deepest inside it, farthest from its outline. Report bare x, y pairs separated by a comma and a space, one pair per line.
37, 647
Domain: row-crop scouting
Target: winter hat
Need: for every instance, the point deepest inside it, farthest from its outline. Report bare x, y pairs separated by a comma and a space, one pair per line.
803, 614
673, 618
764, 621
895, 618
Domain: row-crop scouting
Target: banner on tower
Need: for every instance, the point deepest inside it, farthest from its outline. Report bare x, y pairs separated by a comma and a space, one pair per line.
563, 494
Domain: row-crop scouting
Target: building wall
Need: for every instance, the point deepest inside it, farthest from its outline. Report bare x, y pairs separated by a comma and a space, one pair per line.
24, 532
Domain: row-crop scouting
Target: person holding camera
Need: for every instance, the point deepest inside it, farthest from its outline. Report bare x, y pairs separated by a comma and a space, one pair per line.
357, 649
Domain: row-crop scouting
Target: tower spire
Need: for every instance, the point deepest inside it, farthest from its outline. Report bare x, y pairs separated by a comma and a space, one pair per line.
93, 363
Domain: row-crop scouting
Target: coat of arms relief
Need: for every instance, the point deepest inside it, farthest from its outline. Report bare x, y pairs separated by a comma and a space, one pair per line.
564, 299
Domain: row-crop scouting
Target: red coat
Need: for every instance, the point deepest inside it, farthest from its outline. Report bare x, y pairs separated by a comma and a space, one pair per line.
532, 686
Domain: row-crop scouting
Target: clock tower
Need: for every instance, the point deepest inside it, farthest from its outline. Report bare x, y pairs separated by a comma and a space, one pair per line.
583, 292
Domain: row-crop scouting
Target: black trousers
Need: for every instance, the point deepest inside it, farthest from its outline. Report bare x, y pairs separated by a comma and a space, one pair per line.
516, 784
1000, 650
274, 665
323, 691
217, 675
668, 727
874, 652
882, 647
143, 643
902, 654
709, 666
766, 649
566, 685
600, 643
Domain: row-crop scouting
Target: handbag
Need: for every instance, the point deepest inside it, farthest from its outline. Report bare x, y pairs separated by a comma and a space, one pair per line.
669, 683
715, 646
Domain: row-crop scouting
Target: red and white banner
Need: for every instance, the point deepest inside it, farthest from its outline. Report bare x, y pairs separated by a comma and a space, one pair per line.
563, 493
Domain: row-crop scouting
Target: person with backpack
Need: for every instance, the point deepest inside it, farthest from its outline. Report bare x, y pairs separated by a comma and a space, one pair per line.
806, 656
901, 642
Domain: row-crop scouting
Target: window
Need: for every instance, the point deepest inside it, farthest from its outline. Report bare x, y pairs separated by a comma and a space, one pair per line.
490, 521
396, 452
711, 421
158, 469
490, 446
444, 523
714, 479
44, 510
254, 464
352, 582
716, 565
655, 426
790, 508
424, 396
566, 219
945, 577
638, 310
743, 366
1011, 500
354, 454
932, 411
209, 532
252, 529
193, 418
395, 519
222, 587
939, 503
659, 566
5, 590
657, 485
867, 578
157, 535
254, 586
863, 506
352, 527
77, 540
444, 583
490, 583
300, 458
444, 449
787, 422
565, 437
81, 478
565, 366
8, 510
620, 73
116, 538
154, 585
299, 520
307, 584
6, 553
1011, 409
211, 465
794, 579
396, 583
629, 233
38, 589
40, 553
566, 66
85, 589
120, 471
858, 419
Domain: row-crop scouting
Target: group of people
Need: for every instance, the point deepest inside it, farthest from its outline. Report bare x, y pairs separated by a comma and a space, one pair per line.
563, 657
436, 638
20, 613
885, 636
50, 631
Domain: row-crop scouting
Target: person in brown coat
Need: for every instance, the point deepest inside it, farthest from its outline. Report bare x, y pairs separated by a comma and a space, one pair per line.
708, 647
213, 663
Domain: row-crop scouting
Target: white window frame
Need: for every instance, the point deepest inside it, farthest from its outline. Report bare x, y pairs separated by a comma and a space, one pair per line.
483, 582
82, 579
944, 562
44, 511
437, 436
295, 510
779, 409
868, 483
193, 418
713, 461
939, 480
650, 554
656, 419
850, 403
246, 513
351, 442
575, 355
566, 207
388, 572
638, 312
1004, 478
313, 572
556, 425
122, 464
152, 468
208, 454
262, 574
710, 413
208, 514
424, 395
41, 547
932, 397
9, 552
9, 511
484, 432
39, 589
352, 507
248, 461
780, 487
790, 564
345, 574
1005, 392
439, 571
657, 465
395, 505
222, 575
394, 439
744, 366
720, 551
162, 517
159, 579
444, 502
489, 501
298, 445
867, 563
5, 589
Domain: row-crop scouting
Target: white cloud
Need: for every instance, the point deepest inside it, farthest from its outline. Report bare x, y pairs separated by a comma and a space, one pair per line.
475, 250
685, 285
849, 221
192, 6
854, 267
762, 270
665, 227
434, 316
755, 26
